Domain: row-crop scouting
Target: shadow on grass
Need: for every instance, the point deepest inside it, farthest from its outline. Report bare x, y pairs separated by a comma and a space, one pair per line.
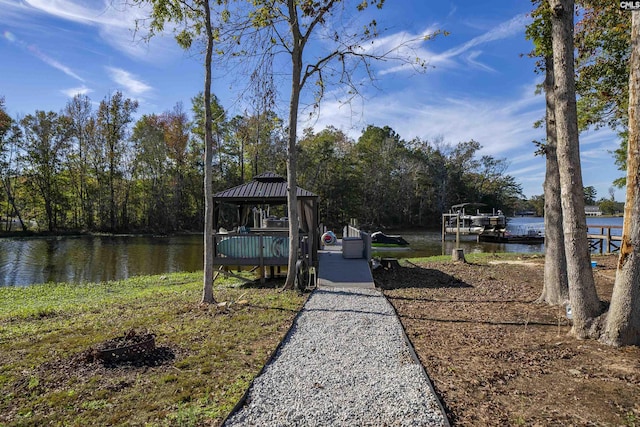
270, 307
401, 277
269, 283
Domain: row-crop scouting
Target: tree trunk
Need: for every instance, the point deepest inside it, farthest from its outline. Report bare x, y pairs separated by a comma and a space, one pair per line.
623, 320
112, 191
207, 288
12, 201
556, 289
582, 291
457, 255
292, 186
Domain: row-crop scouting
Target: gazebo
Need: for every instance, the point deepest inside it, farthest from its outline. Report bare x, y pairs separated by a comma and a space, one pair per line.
257, 237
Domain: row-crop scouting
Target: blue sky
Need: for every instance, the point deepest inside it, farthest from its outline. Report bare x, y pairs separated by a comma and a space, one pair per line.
478, 85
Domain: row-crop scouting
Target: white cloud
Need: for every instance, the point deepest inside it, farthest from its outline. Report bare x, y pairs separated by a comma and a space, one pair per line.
12, 11
413, 45
115, 21
35, 51
471, 57
71, 92
498, 124
405, 49
54, 63
128, 81
103, 13
505, 30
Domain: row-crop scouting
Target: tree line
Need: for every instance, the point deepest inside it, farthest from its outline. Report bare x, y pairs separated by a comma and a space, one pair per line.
101, 170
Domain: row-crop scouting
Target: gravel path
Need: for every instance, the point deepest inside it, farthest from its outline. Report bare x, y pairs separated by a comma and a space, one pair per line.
344, 363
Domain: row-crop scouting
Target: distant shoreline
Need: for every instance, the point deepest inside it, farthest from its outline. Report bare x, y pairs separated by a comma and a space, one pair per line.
80, 233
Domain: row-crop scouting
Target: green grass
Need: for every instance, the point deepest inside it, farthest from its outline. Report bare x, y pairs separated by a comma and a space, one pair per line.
480, 257
217, 350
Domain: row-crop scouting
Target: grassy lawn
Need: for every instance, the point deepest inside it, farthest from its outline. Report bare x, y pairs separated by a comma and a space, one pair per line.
480, 257
210, 353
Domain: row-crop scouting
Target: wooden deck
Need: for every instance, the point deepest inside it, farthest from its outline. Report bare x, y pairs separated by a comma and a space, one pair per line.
336, 271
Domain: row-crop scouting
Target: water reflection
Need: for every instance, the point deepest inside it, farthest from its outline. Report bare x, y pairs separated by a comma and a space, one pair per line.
94, 259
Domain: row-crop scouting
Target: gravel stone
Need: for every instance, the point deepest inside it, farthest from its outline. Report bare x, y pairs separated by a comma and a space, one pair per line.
345, 362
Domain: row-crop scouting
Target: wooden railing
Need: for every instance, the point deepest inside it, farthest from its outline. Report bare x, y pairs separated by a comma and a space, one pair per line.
604, 240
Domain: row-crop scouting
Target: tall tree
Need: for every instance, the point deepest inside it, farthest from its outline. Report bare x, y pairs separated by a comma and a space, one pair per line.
623, 320
378, 155
489, 183
5, 124
602, 64
590, 195
239, 135
430, 181
218, 127
151, 171
582, 291
113, 118
82, 120
10, 136
555, 290
267, 143
194, 19
176, 138
46, 142
326, 168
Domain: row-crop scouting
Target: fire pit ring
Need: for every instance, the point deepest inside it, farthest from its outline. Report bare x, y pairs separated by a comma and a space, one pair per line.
135, 347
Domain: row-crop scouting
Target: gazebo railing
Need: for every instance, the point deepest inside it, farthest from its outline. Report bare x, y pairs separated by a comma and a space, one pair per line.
256, 248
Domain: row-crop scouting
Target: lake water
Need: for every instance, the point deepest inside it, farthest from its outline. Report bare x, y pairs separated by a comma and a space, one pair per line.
96, 258
101, 258
430, 243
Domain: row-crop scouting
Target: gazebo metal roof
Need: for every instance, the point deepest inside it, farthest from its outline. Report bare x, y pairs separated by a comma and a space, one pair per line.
267, 187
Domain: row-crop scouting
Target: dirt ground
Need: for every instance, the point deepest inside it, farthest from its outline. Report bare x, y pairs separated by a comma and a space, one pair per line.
497, 358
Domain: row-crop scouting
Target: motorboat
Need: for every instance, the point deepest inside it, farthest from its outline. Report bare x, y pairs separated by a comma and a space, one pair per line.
379, 239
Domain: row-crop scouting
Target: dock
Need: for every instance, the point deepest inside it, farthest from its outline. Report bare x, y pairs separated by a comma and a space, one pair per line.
338, 272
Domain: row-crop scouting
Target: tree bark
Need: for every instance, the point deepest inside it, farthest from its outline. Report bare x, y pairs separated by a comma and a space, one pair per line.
207, 288
457, 255
292, 186
623, 320
582, 292
555, 290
